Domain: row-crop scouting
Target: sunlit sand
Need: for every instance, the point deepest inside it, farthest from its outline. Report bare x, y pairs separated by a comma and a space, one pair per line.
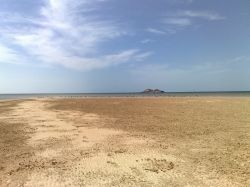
165, 141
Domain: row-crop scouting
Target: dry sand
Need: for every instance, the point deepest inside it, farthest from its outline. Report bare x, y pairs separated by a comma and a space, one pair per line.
182, 141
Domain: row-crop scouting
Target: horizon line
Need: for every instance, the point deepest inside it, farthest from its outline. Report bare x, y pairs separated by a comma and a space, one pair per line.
36, 93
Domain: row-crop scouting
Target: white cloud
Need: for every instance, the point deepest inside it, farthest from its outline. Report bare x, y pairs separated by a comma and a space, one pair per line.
143, 56
178, 21
212, 16
99, 62
66, 34
180, 1
181, 19
7, 55
145, 41
155, 31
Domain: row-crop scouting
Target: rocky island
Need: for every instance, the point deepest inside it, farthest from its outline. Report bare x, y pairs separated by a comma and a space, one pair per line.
153, 91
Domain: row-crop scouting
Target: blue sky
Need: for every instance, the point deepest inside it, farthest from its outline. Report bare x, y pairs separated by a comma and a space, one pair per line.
126, 45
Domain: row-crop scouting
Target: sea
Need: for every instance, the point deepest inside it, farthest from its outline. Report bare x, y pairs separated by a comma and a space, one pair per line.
87, 95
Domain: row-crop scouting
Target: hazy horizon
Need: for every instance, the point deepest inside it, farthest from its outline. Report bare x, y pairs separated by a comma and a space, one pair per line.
108, 46
125, 92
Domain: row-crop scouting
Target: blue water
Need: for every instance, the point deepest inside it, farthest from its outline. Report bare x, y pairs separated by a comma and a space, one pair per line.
83, 95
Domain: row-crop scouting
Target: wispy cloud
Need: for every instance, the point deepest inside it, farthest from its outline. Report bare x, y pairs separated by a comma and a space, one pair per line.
181, 1
145, 41
208, 15
185, 18
178, 21
66, 34
155, 31
9, 55
103, 61
143, 56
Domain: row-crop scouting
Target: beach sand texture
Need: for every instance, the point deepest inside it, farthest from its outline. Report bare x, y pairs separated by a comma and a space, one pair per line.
163, 141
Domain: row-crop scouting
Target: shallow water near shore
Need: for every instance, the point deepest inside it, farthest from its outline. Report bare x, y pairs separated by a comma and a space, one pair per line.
167, 94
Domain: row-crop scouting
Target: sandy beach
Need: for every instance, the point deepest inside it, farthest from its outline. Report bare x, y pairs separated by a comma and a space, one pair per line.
163, 141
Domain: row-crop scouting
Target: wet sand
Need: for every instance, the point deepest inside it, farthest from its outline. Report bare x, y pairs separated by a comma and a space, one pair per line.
170, 141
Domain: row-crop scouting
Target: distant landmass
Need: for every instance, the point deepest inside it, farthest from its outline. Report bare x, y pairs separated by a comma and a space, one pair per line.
153, 91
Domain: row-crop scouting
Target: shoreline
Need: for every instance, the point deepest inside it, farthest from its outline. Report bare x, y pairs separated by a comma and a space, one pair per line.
106, 96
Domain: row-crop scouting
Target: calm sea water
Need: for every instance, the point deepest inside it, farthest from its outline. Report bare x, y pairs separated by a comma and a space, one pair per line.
82, 95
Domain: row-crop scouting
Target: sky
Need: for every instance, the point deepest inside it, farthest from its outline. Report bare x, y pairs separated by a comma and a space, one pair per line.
69, 46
